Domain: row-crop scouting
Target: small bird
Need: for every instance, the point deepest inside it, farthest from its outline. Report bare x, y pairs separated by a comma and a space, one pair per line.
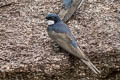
60, 33
66, 4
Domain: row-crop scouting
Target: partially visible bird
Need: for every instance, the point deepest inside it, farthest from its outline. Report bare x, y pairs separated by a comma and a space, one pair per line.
61, 34
66, 4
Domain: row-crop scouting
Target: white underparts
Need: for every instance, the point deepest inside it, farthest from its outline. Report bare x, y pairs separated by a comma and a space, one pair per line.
50, 22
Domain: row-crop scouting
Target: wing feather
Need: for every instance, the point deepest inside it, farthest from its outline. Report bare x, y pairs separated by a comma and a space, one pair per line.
65, 42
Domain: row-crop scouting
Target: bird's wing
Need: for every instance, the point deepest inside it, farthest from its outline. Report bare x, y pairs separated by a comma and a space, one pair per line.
68, 43
62, 39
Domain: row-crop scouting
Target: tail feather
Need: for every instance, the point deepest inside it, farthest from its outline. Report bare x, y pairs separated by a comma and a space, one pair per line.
84, 58
91, 66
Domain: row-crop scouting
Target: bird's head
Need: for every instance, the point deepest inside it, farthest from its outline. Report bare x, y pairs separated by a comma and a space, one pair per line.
52, 19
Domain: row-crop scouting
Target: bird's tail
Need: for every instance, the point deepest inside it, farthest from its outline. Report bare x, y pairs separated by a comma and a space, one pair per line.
91, 66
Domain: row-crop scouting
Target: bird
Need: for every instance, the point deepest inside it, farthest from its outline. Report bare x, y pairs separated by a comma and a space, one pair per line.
66, 4
61, 34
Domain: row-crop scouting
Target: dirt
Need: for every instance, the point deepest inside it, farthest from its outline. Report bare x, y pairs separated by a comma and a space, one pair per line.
27, 52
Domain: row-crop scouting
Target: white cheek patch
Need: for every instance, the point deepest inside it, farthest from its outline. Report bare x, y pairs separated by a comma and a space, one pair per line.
50, 22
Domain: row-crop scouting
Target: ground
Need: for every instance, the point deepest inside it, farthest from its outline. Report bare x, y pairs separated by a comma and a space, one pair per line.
27, 52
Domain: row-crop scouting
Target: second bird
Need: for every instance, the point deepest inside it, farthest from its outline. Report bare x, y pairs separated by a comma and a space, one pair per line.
61, 34
66, 4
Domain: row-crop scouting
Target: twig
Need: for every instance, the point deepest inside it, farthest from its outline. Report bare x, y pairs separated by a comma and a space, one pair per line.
8, 4
81, 3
